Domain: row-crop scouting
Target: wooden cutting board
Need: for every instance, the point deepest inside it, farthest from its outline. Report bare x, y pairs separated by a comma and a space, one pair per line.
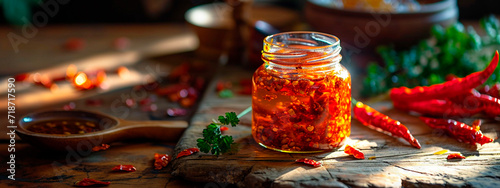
395, 163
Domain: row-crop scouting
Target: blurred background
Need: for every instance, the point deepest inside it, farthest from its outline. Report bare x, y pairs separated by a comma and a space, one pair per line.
148, 11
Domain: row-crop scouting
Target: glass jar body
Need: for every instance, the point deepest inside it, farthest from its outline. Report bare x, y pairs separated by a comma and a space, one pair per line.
301, 107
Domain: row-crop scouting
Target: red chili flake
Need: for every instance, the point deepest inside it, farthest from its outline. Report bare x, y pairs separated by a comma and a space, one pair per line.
100, 147
224, 128
354, 152
221, 85
309, 162
187, 152
86, 182
171, 89
187, 102
21, 77
74, 44
161, 160
180, 70
174, 112
126, 168
455, 156
93, 102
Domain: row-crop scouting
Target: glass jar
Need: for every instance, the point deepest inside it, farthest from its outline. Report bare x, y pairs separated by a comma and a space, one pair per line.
301, 95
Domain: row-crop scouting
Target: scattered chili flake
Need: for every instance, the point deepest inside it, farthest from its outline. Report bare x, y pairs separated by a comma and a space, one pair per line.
455, 156
222, 85
223, 128
100, 147
21, 77
161, 160
86, 182
187, 152
126, 168
354, 152
441, 152
309, 162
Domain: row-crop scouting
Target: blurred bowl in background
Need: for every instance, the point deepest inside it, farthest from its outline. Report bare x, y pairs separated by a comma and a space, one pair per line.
213, 22
361, 30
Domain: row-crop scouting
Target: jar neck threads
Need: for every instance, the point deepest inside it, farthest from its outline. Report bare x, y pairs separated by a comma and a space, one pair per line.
291, 50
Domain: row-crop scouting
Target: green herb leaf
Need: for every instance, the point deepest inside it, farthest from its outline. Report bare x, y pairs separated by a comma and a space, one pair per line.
213, 141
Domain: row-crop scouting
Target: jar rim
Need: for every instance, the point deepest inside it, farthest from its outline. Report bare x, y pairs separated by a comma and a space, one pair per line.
332, 39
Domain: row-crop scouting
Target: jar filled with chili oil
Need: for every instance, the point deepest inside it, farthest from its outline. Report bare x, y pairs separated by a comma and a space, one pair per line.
301, 95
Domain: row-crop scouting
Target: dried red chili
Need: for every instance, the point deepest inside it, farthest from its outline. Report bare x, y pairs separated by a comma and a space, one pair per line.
448, 89
378, 121
161, 160
126, 168
100, 147
461, 131
438, 107
86, 182
187, 152
354, 152
455, 156
309, 162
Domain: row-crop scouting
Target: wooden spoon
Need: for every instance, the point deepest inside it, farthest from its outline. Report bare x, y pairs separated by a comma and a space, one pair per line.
111, 129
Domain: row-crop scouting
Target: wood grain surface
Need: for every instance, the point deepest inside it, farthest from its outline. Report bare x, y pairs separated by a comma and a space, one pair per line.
394, 163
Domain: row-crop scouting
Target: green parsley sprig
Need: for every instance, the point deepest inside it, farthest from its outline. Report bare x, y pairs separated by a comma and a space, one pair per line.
213, 141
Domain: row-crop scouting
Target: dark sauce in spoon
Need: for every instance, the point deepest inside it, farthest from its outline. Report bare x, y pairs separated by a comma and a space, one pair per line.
64, 127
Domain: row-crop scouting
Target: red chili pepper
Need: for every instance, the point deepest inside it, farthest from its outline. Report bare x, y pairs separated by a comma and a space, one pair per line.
455, 156
376, 120
461, 131
309, 162
100, 147
493, 91
187, 152
86, 182
161, 160
223, 128
354, 152
438, 107
127, 168
448, 89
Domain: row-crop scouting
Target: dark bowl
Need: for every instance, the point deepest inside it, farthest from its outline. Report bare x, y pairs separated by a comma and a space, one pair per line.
361, 30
